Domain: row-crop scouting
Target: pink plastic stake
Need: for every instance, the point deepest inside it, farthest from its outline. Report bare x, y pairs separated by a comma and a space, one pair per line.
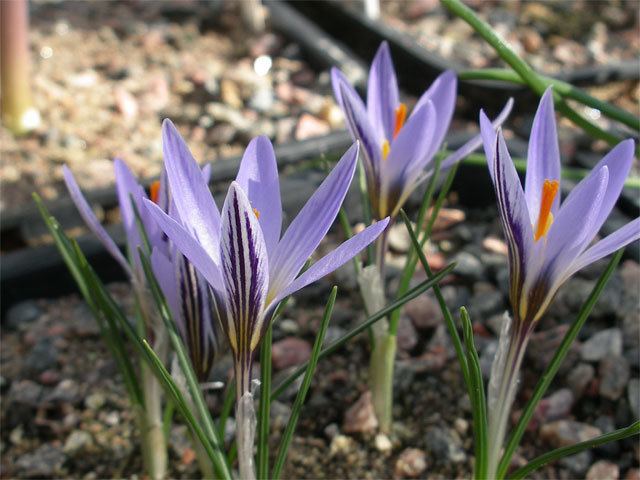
18, 112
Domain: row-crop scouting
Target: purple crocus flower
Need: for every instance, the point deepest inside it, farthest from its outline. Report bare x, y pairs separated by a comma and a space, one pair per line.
548, 240
249, 266
398, 149
185, 289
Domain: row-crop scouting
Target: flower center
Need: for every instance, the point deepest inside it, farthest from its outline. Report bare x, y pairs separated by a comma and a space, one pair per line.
154, 191
401, 116
545, 217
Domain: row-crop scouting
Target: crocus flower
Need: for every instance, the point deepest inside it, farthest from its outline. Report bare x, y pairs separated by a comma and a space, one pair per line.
249, 266
548, 240
185, 289
398, 148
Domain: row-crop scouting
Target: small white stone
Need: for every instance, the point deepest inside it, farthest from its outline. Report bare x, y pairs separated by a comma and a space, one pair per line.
383, 444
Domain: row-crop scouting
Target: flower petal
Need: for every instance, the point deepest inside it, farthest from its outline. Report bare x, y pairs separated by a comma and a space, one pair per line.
358, 124
333, 260
245, 272
543, 156
92, 222
618, 239
312, 223
442, 93
382, 93
190, 192
165, 274
187, 245
258, 177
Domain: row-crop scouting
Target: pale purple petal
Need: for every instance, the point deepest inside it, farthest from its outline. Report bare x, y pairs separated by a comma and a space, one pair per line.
312, 223
618, 239
92, 222
358, 124
245, 271
618, 161
187, 245
475, 142
382, 93
333, 260
190, 192
488, 134
442, 93
258, 178
543, 156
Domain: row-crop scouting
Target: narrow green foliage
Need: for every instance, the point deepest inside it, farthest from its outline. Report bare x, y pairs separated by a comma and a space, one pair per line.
552, 456
477, 396
411, 294
227, 406
448, 318
534, 80
566, 90
304, 388
554, 365
262, 464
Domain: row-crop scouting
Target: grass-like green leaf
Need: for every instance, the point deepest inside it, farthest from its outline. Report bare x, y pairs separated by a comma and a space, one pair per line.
552, 456
262, 463
304, 388
554, 365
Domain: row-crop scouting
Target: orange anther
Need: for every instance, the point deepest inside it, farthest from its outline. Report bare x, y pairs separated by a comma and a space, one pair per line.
386, 148
401, 116
545, 217
154, 191
257, 213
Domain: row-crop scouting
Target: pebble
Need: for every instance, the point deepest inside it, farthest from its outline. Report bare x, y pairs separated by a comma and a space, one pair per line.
42, 356
603, 470
360, 417
95, 401
633, 394
309, 126
468, 266
340, 445
632, 474
67, 391
399, 239
607, 424
495, 245
614, 374
25, 392
411, 463
290, 351
46, 461
562, 433
407, 336
604, 343
22, 314
279, 413
424, 311
445, 445
578, 463
579, 378
76, 441
382, 443
555, 406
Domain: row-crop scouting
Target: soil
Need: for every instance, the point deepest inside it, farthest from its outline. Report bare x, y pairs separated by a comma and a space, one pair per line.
64, 420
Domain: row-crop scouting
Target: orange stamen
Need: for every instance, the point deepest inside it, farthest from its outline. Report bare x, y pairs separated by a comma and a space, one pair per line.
154, 191
545, 217
257, 213
401, 116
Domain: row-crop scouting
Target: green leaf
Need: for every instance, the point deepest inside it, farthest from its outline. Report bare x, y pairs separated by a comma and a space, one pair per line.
477, 396
262, 469
304, 388
411, 294
631, 430
554, 365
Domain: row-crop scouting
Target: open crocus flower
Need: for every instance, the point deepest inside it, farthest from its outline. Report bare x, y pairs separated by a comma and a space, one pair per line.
548, 240
398, 148
186, 291
248, 265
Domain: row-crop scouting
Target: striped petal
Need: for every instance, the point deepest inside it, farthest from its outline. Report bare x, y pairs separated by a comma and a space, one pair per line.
92, 222
245, 272
312, 223
543, 156
382, 93
258, 177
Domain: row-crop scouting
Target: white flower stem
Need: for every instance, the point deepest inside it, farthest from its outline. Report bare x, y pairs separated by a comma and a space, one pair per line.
245, 423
